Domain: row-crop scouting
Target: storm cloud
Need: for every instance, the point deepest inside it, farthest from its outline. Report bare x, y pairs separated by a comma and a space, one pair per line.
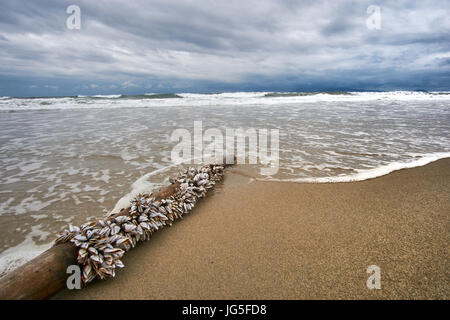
204, 46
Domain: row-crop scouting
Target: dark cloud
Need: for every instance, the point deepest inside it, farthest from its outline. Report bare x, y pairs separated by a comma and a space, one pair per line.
443, 62
143, 46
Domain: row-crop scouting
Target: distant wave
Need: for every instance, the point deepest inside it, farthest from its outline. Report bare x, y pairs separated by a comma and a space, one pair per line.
137, 96
210, 99
100, 96
152, 96
304, 94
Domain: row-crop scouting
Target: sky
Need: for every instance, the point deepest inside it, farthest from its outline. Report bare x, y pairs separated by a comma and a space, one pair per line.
136, 47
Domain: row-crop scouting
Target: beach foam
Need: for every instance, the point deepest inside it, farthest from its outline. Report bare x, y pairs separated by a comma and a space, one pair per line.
14, 257
143, 185
365, 174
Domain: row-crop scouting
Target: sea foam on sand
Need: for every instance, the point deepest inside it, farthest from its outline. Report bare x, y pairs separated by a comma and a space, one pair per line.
365, 174
14, 257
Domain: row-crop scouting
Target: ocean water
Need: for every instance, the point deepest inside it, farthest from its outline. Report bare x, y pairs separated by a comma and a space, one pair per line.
66, 159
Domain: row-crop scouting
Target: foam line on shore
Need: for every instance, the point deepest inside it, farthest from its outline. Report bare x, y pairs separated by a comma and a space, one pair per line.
16, 256
365, 174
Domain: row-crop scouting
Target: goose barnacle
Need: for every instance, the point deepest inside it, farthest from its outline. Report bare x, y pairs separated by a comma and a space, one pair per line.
102, 244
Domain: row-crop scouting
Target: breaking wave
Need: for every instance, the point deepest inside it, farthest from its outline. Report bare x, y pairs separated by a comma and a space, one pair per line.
213, 99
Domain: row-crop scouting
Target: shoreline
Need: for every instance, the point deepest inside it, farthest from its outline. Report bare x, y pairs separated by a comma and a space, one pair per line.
265, 240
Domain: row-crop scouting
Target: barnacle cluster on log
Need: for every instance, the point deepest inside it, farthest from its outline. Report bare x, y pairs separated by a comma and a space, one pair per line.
103, 243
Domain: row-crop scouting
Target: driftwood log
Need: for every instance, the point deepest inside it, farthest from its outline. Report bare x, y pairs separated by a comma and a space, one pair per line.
46, 274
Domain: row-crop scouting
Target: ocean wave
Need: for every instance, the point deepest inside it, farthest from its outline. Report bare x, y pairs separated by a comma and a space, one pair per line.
303, 94
224, 95
213, 99
134, 97
153, 96
101, 96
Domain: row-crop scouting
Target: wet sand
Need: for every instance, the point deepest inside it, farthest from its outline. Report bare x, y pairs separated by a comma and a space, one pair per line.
265, 240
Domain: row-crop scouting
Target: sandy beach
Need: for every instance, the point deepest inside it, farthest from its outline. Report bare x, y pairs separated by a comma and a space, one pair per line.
113, 119
265, 240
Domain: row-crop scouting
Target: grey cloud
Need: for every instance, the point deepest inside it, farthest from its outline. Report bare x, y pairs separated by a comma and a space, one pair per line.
220, 43
443, 62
